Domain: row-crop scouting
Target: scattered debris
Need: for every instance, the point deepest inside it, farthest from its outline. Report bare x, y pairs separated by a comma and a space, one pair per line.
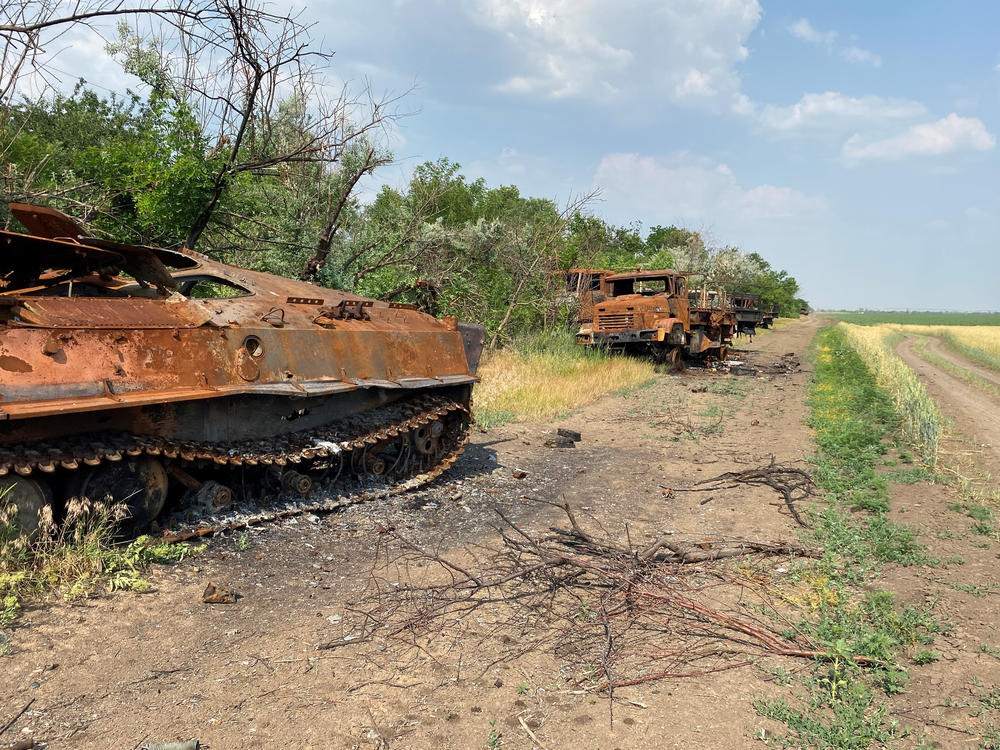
787, 364
573, 435
526, 728
189, 745
17, 716
560, 441
519, 474
217, 593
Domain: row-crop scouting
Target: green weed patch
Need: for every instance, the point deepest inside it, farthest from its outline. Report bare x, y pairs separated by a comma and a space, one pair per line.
79, 558
842, 704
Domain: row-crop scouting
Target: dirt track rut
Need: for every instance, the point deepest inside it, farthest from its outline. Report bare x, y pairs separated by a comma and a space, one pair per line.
973, 411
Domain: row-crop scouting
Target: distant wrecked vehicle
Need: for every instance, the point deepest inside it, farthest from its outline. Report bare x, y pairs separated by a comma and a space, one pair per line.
747, 308
653, 312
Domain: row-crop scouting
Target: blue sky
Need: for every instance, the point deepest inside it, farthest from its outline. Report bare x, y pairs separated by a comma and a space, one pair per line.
851, 143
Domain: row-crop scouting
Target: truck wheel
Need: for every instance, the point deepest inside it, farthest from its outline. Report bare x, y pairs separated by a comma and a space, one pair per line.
675, 359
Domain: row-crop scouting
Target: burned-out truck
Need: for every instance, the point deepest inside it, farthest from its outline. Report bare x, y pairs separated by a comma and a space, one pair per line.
653, 312
580, 289
747, 308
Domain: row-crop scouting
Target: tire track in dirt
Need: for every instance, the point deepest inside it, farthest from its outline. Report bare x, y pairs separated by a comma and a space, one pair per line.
973, 412
936, 346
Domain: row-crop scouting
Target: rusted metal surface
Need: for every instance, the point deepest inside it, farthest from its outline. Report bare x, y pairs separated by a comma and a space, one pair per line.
152, 349
653, 311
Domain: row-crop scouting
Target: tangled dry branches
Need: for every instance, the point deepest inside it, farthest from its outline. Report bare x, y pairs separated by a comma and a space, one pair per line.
793, 483
612, 613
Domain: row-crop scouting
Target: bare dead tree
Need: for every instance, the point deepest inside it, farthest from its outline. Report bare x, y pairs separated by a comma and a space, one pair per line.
233, 63
535, 252
235, 67
31, 28
408, 244
337, 197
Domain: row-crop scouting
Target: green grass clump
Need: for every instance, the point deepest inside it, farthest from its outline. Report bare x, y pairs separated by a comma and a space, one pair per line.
842, 704
78, 558
920, 420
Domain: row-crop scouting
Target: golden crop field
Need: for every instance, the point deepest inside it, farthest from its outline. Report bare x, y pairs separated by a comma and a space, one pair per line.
979, 343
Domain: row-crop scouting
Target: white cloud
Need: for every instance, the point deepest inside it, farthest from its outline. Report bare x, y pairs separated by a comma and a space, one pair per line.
949, 134
832, 110
688, 189
681, 50
861, 56
71, 54
805, 31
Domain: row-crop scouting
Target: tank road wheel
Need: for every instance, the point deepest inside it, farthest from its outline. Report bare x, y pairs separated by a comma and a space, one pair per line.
140, 485
29, 497
426, 438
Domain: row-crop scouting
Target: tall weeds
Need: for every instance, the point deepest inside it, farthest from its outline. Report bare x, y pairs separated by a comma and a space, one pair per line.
77, 557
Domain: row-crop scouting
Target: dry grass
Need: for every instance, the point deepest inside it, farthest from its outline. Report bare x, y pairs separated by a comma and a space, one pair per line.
537, 385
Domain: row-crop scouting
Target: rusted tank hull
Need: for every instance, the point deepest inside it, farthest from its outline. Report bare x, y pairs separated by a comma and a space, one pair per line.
46, 372
97, 368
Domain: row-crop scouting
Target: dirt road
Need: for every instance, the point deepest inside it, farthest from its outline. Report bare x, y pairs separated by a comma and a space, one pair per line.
973, 411
947, 701
117, 671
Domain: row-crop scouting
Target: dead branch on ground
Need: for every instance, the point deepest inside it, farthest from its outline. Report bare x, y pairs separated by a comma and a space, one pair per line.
616, 614
793, 483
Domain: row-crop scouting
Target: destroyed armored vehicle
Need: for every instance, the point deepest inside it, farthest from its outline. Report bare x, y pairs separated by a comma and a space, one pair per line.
767, 316
653, 312
151, 376
747, 308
